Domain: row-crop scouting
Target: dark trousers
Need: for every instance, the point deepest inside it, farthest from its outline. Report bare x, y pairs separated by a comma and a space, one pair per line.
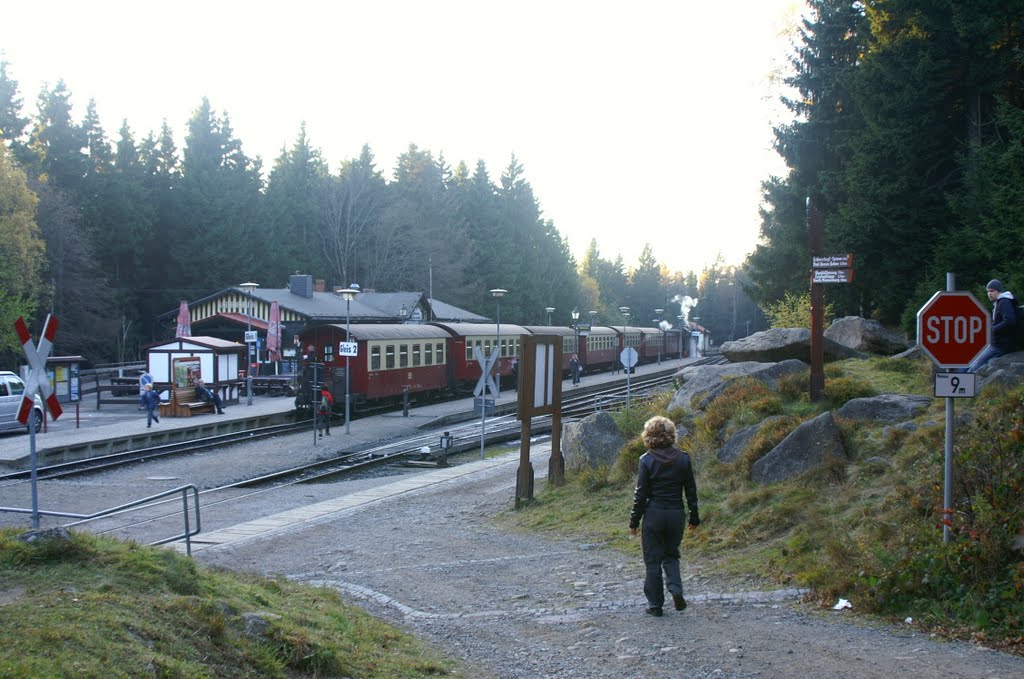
662, 535
323, 420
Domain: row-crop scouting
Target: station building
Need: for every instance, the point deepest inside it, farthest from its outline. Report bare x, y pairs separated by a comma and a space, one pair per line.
304, 303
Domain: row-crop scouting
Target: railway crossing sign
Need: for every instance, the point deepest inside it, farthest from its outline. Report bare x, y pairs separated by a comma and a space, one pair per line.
952, 329
486, 381
37, 379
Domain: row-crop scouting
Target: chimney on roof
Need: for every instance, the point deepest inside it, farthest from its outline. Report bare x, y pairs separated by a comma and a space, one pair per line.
301, 285
320, 285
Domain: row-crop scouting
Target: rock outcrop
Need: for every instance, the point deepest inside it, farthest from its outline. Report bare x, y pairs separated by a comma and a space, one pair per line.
867, 335
780, 344
809, 446
591, 442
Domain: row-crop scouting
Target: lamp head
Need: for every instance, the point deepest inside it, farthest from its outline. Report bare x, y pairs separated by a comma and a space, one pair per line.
349, 293
498, 292
575, 314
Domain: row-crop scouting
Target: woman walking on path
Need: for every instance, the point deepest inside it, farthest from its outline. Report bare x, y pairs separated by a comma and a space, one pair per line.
150, 401
665, 473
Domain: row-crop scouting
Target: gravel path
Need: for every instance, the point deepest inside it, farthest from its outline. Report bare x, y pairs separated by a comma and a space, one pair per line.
436, 562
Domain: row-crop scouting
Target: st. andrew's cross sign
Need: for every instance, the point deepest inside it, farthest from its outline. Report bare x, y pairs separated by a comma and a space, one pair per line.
37, 379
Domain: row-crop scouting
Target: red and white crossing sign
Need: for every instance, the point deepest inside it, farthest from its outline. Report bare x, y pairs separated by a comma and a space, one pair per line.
952, 329
37, 379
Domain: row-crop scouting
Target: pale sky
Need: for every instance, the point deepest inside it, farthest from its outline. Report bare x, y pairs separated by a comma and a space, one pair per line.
639, 122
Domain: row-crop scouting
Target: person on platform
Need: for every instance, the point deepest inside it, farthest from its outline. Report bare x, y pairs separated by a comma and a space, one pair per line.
144, 379
204, 393
575, 368
515, 373
150, 401
323, 415
1004, 325
664, 475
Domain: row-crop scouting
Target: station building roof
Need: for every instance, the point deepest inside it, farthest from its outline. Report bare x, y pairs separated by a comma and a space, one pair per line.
305, 303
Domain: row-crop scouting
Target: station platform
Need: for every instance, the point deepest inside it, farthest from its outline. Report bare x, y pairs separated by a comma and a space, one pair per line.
83, 432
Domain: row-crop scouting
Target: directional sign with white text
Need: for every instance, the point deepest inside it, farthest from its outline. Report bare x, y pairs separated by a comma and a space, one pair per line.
37, 379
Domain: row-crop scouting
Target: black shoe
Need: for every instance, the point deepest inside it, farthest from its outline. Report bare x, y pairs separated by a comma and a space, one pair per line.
680, 602
220, 412
156, 419
656, 612
328, 433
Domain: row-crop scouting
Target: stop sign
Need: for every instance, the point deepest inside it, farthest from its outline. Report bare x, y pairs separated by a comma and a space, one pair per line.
952, 328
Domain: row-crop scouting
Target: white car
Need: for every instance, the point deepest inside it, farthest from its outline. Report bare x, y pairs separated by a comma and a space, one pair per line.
12, 391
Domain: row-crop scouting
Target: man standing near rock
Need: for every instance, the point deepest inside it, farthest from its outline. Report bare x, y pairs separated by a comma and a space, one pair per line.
1004, 325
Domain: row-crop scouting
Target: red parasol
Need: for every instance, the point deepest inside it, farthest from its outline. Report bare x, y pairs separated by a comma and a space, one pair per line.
274, 333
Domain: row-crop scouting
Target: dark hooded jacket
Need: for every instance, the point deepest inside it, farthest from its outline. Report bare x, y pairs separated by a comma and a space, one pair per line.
665, 473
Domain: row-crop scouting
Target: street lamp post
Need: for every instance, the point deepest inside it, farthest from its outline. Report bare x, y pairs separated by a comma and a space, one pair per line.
348, 294
624, 310
549, 309
695, 319
248, 287
700, 333
576, 327
498, 293
657, 322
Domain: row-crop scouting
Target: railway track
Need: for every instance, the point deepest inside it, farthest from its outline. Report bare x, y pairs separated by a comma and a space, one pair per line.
468, 437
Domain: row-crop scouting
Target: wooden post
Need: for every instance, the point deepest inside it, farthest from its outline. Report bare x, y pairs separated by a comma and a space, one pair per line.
816, 233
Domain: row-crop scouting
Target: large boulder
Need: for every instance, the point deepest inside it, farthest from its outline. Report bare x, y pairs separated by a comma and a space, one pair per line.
885, 408
807, 447
865, 334
738, 442
1006, 371
712, 379
591, 442
780, 344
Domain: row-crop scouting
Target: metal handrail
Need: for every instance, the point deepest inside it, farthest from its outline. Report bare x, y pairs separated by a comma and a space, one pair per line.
85, 518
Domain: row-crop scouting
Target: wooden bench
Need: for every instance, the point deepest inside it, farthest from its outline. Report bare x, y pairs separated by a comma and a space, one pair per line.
184, 403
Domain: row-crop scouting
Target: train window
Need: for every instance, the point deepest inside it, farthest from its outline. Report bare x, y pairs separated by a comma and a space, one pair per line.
403, 355
389, 356
328, 353
439, 353
417, 355
375, 358
428, 354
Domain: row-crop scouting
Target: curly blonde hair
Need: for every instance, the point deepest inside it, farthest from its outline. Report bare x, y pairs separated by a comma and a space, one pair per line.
659, 432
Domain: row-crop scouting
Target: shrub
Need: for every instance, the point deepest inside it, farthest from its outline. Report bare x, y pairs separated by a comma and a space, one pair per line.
977, 579
794, 311
839, 391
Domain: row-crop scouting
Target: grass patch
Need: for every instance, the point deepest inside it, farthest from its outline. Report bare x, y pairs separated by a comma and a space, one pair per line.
868, 528
89, 606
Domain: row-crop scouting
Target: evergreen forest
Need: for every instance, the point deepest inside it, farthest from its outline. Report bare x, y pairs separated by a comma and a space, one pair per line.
906, 130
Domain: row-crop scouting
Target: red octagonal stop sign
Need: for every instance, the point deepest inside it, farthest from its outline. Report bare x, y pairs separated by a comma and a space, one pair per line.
952, 328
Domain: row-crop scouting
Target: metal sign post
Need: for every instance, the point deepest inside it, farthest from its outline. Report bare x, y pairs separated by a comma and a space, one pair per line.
37, 382
628, 358
952, 330
486, 382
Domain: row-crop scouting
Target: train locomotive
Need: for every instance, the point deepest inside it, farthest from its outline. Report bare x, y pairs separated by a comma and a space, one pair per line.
417, 363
